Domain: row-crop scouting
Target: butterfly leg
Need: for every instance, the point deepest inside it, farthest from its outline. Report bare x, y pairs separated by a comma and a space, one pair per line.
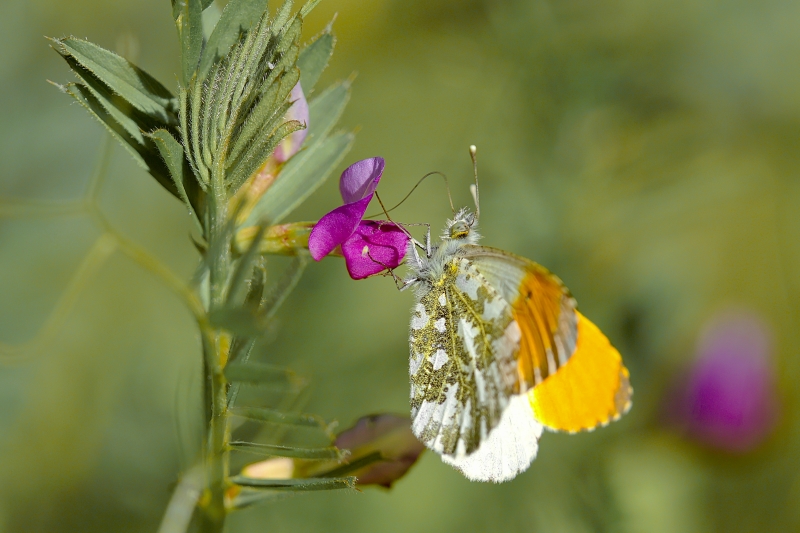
399, 283
427, 245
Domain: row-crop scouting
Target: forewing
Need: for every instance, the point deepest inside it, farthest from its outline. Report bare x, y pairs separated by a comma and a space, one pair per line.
463, 367
542, 305
576, 376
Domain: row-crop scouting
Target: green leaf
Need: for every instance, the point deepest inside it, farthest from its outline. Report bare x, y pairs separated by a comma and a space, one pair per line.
354, 465
257, 373
134, 85
325, 110
263, 118
314, 58
177, 6
282, 16
302, 175
237, 18
258, 282
252, 495
257, 154
275, 450
296, 484
239, 321
172, 153
273, 416
134, 121
211, 16
308, 6
237, 288
280, 290
144, 153
189, 20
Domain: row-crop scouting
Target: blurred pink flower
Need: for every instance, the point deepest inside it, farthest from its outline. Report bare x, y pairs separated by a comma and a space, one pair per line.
368, 246
258, 184
391, 436
381, 449
728, 399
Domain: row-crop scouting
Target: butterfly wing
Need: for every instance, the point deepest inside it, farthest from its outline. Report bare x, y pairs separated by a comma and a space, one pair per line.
463, 370
576, 378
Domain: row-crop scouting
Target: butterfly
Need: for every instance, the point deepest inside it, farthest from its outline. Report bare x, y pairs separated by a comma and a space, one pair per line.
498, 352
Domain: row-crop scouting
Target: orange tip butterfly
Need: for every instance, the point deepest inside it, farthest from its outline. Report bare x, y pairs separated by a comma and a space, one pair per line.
499, 351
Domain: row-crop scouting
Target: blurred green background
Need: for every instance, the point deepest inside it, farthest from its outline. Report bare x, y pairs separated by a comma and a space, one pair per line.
647, 151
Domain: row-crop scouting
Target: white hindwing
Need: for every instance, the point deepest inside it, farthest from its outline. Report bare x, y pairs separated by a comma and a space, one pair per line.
464, 342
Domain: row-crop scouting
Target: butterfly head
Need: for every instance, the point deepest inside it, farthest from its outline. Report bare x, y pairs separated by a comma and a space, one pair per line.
463, 228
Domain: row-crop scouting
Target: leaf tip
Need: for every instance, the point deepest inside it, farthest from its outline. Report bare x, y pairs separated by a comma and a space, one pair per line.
62, 88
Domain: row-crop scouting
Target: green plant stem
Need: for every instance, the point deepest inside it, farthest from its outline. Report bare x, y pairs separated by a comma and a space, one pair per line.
216, 393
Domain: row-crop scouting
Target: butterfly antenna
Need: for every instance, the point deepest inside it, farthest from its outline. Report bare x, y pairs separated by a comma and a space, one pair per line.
473, 154
386, 213
429, 174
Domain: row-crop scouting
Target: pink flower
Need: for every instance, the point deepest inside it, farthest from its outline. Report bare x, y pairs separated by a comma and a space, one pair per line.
263, 179
368, 246
728, 400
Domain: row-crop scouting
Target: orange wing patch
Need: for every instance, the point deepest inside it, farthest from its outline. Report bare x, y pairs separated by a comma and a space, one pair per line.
591, 389
545, 312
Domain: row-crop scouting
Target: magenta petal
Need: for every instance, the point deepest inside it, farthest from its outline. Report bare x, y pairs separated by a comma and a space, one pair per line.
386, 242
360, 179
335, 228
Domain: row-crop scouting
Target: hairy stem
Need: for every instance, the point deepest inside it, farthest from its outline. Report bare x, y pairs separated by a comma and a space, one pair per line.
215, 353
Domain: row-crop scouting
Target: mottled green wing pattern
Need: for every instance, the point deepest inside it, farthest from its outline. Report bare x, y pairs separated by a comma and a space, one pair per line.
463, 367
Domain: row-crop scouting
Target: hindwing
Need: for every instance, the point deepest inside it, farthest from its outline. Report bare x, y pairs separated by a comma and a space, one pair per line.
463, 368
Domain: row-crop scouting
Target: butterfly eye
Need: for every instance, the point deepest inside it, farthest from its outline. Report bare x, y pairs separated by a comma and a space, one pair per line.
459, 229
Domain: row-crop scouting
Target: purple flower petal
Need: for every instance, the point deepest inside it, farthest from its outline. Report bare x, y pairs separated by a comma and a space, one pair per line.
728, 398
299, 111
335, 228
360, 179
386, 243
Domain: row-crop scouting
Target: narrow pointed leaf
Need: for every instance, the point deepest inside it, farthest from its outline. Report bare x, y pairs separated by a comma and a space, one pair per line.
258, 282
237, 289
282, 16
259, 373
296, 484
132, 119
273, 416
354, 465
281, 290
237, 17
302, 175
125, 79
172, 153
239, 321
146, 155
177, 5
189, 21
257, 154
308, 6
274, 450
314, 58
325, 110
89, 101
